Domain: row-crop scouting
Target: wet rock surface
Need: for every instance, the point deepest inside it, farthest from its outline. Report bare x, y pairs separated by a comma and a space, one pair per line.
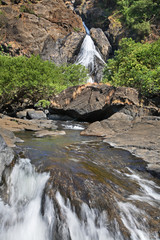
140, 136
87, 170
6, 156
43, 133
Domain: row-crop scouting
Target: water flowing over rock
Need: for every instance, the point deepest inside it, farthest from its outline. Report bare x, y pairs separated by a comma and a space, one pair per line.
91, 59
30, 209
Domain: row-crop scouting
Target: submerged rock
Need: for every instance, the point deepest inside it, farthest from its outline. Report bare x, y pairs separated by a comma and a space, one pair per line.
43, 133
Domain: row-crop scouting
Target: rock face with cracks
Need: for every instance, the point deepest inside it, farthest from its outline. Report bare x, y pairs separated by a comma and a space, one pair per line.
25, 26
92, 102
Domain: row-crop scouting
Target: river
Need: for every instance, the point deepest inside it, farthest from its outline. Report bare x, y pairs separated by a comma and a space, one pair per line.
74, 187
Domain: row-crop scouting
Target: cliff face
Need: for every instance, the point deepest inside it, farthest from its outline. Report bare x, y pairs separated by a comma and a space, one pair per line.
24, 26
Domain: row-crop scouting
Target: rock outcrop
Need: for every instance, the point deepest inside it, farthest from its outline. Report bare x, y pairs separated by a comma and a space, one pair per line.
63, 50
139, 135
25, 26
92, 102
101, 42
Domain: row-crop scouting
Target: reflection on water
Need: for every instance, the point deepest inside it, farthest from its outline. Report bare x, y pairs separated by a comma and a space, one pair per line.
85, 169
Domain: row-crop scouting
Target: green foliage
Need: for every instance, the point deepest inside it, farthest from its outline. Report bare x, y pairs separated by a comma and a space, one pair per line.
135, 65
77, 29
138, 14
33, 78
43, 103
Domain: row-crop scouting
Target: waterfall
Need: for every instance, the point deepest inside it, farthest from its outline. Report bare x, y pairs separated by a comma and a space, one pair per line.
89, 55
30, 215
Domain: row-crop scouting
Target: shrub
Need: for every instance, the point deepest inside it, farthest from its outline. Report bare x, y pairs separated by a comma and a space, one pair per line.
135, 65
33, 78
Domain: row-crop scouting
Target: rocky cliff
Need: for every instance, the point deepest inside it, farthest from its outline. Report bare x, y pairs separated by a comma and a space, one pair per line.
25, 25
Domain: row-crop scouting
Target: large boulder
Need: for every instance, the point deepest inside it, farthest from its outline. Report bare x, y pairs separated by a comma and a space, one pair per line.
101, 42
93, 102
24, 27
63, 50
6, 156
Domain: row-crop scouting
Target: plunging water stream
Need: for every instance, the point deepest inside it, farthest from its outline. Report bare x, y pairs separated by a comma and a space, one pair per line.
90, 191
89, 56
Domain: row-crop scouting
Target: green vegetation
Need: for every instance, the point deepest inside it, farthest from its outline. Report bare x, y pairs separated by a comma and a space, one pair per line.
76, 29
33, 78
135, 65
139, 14
25, 9
43, 103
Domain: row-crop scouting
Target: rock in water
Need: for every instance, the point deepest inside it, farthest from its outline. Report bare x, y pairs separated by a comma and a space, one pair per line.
6, 156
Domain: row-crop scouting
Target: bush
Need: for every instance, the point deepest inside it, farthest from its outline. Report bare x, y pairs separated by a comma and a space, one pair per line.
138, 14
135, 65
33, 78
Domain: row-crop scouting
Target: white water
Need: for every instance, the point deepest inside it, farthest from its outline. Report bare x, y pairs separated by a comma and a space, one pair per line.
73, 126
22, 219
88, 53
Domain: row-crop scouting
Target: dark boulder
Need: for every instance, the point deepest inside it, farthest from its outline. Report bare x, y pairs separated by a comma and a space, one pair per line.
92, 102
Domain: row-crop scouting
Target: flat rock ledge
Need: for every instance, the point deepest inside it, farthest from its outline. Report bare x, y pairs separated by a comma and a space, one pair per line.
140, 136
9, 125
44, 133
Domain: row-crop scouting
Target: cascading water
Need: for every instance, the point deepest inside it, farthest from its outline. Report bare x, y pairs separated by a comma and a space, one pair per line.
89, 55
23, 218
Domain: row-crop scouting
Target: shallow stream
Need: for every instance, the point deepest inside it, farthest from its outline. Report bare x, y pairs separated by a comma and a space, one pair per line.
85, 190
